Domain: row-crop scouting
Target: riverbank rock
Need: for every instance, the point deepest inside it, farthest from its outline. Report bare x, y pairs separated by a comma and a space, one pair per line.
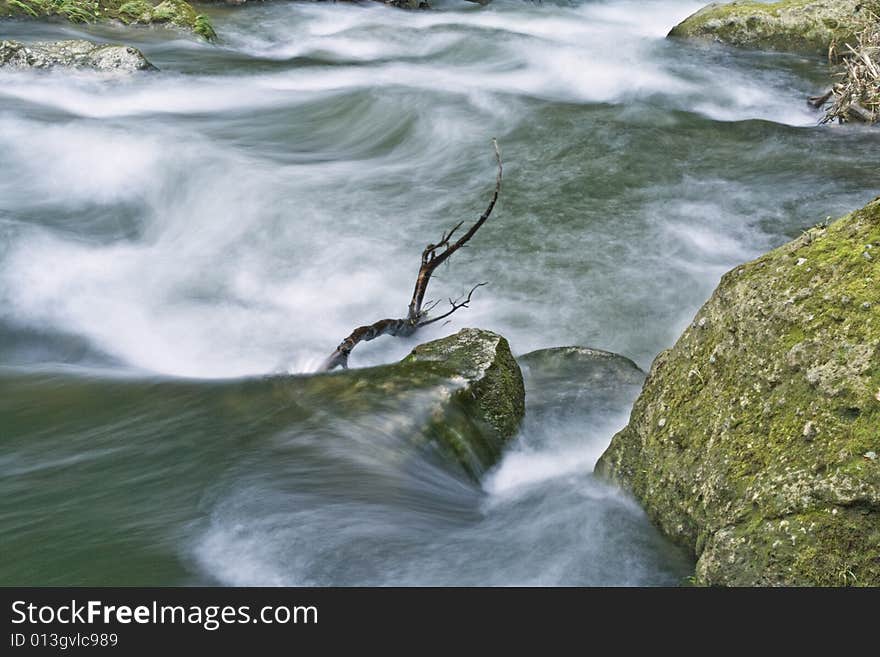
78, 54
177, 13
805, 26
754, 442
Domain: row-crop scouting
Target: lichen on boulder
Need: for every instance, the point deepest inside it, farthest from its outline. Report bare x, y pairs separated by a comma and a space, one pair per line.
177, 13
754, 442
74, 53
806, 26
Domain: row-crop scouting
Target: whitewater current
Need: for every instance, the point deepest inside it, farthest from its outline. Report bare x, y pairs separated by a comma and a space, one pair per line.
168, 235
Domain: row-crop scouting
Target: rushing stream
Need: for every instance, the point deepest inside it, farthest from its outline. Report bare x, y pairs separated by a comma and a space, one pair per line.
168, 238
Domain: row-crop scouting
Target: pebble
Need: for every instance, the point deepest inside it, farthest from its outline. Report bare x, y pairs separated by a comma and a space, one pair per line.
810, 430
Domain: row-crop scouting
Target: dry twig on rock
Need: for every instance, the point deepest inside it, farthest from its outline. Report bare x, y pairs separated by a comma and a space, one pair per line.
433, 256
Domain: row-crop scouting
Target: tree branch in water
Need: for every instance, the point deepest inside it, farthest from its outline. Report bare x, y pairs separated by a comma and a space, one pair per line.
433, 256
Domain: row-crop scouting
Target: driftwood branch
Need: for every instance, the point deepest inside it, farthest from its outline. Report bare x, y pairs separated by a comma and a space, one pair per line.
433, 256
819, 101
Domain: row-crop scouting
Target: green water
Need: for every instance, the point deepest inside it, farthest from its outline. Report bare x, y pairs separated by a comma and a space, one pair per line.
167, 241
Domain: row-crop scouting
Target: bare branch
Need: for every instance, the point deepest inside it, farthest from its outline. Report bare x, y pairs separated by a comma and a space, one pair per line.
429, 306
856, 97
417, 314
431, 259
455, 306
819, 101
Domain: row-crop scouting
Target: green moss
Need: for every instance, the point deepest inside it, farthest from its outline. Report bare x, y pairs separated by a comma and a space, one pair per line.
836, 546
16, 5
490, 408
811, 26
202, 26
177, 12
76, 11
765, 408
131, 12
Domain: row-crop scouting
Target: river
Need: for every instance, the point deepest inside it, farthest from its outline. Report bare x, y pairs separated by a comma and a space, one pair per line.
170, 237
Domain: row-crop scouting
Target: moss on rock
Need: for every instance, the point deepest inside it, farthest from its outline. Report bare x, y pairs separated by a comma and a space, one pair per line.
754, 442
487, 407
461, 397
182, 14
178, 13
808, 26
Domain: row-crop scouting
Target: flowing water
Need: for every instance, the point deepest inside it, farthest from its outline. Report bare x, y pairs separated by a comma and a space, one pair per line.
168, 239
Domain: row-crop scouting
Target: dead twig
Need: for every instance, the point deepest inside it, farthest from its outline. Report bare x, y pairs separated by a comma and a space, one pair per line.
456, 304
417, 314
856, 97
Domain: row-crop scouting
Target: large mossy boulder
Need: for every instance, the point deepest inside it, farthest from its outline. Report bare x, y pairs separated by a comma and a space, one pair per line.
176, 13
76, 54
805, 26
754, 442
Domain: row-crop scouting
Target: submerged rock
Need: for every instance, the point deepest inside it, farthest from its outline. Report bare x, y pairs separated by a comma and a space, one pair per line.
582, 378
808, 26
751, 442
177, 13
421, 4
79, 54
408, 4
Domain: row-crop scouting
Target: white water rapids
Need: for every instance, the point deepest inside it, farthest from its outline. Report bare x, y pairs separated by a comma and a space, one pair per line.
240, 211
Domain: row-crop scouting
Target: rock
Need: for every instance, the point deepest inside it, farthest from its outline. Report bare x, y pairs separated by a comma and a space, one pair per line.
78, 54
461, 397
484, 402
805, 26
580, 378
177, 13
407, 4
747, 443
172, 12
421, 4
452, 403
